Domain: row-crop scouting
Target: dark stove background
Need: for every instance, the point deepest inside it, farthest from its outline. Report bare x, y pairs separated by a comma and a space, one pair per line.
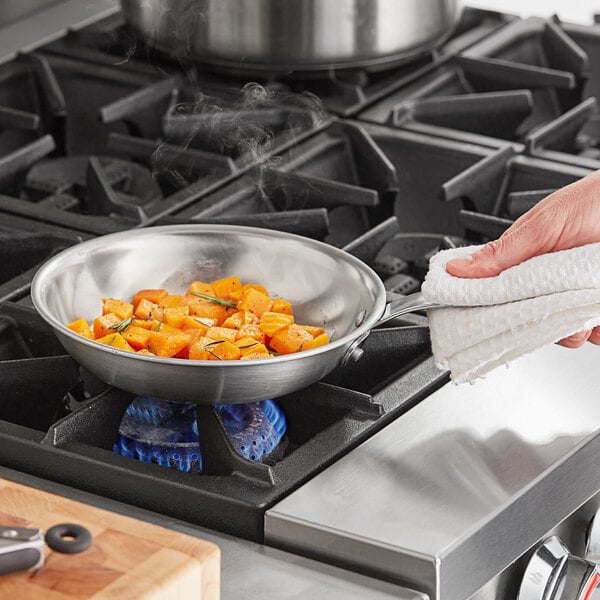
98, 133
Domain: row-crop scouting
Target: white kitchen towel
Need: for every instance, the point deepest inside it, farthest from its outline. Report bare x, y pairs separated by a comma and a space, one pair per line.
492, 321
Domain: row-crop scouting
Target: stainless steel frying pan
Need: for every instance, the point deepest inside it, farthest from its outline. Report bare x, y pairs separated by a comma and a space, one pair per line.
326, 286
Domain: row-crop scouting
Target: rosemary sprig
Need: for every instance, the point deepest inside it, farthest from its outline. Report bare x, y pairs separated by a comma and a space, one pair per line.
157, 328
122, 325
215, 355
211, 344
248, 346
207, 348
215, 300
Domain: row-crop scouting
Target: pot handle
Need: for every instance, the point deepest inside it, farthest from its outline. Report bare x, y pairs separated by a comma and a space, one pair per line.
394, 309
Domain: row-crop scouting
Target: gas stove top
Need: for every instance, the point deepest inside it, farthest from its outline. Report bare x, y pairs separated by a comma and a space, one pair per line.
99, 133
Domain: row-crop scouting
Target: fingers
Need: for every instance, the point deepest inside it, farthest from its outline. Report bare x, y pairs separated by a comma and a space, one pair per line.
522, 241
576, 340
509, 250
595, 336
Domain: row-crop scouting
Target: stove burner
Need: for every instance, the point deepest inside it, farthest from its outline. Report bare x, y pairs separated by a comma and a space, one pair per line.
166, 433
254, 429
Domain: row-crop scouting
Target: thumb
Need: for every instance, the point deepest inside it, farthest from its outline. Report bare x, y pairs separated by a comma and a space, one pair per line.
507, 251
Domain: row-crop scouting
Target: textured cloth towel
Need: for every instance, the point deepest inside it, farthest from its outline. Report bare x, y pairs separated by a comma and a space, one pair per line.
492, 321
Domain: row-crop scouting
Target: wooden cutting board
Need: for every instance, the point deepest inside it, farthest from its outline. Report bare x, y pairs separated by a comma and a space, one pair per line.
128, 559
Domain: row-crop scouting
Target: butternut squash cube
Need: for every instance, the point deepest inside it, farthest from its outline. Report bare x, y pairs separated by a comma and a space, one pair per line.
252, 331
255, 301
270, 322
105, 324
172, 301
152, 295
137, 337
123, 310
167, 343
115, 340
176, 315
290, 339
81, 327
200, 286
221, 333
148, 310
282, 306
320, 340
223, 288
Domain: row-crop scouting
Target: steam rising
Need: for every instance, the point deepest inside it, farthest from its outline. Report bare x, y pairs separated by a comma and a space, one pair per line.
247, 127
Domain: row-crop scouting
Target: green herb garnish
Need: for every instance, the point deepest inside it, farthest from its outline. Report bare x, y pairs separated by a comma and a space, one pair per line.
215, 355
215, 300
248, 346
211, 344
207, 348
122, 325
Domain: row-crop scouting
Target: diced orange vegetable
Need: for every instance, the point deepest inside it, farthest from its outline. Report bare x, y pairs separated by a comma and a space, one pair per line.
290, 339
195, 335
123, 310
320, 340
145, 323
172, 301
162, 326
222, 320
208, 310
249, 345
255, 286
224, 288
200, 286
208, 349
314, 331
221, 333
270, 322
146, 352
252, 331
198, 323
105, 324
255, 301
167, 343
240, 318
199, 350
137, 337
116, 341
258, 351
282, 306
176, 316
148, 310
81, 327
237, 294
227, 351
154, 296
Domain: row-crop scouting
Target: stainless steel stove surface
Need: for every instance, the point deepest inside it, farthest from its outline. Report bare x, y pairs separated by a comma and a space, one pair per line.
382, 480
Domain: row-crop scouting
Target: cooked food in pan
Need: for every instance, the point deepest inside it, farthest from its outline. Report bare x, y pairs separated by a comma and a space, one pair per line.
222, 320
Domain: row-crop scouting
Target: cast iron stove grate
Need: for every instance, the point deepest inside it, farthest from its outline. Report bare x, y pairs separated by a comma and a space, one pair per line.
72, 439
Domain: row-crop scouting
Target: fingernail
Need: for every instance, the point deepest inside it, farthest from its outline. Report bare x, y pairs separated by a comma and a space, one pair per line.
463, 262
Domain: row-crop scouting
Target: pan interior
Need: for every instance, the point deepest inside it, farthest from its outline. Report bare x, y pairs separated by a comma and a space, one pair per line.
325, 286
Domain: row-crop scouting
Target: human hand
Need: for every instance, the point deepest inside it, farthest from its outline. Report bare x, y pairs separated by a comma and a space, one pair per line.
567, 218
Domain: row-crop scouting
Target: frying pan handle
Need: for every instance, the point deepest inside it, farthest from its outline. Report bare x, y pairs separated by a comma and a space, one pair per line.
405, 305
394, 309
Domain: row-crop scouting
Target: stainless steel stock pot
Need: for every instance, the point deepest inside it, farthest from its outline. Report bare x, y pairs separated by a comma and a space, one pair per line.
288, 35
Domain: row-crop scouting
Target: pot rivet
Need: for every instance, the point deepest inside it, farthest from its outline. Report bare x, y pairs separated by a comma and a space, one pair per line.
360, 319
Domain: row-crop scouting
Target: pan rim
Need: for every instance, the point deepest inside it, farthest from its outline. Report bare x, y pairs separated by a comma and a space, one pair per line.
38, 281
